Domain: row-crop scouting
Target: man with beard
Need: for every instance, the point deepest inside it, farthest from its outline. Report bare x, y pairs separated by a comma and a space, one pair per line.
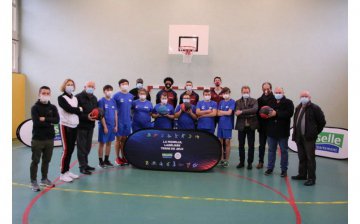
171, 94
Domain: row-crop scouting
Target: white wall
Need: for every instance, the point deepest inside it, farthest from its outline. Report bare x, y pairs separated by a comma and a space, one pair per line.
297, 44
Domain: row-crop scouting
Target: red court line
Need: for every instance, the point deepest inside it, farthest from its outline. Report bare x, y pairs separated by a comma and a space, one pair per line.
292, 201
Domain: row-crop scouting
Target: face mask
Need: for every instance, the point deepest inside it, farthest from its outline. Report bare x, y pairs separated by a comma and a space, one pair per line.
226, 96
164, 101
89, 90
186, 100
188, 88
217, 83
69, 89
108, 93
142, 97
139, 85
245, 95
168, 86
44, 99
207, 98
304, 100
124, 87
278, 96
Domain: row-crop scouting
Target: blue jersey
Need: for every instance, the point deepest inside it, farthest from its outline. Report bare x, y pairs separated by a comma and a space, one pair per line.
185, 121
163, 122
141, 113
227, 122
123, 104
109, 108
206, 122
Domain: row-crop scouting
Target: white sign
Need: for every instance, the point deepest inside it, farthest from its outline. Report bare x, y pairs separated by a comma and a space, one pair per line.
331, 143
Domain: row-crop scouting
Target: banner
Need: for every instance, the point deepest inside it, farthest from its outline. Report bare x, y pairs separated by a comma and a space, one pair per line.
174, 150
332, 142
24, 133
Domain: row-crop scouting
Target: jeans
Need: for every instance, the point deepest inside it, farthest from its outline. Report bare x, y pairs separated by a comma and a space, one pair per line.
283, 143
251, 139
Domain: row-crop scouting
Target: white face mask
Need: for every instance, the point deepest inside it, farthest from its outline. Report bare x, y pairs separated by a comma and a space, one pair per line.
188, 88
207, 98
108, 93
69, 89
44, 99
186, 100
124, 87
164, 101
142, 97
139, 85
226, 96
245, 95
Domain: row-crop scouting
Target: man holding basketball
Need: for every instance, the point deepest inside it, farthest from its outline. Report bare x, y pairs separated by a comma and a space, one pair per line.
87, 101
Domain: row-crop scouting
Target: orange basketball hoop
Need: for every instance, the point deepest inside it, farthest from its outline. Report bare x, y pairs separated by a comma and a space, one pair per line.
187, 52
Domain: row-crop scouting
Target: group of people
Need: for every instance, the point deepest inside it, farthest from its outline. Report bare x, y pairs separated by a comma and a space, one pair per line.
128, 111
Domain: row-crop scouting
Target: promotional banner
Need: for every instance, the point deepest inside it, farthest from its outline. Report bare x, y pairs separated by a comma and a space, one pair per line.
174, 150
332, 142
24, 133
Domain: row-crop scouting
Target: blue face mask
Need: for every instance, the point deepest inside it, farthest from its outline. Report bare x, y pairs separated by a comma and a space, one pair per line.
278, 96
139, 85
89, 90
304, 100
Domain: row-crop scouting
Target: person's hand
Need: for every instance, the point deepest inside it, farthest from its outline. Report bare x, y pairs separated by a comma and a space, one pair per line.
42, 119
91, 118
272, 113
106, 130
238, 112
115, 129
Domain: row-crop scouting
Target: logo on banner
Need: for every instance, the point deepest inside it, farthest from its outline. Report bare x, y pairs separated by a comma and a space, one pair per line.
329, 142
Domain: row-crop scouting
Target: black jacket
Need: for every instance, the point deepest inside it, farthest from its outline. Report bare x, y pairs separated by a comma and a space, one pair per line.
314, 121
263, 101
279, 126
88, 102
44, 130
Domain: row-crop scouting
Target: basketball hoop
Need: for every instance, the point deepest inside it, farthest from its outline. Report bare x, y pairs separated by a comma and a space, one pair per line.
187, 52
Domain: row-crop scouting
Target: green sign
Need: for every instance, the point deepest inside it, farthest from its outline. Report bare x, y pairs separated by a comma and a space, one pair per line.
330, 138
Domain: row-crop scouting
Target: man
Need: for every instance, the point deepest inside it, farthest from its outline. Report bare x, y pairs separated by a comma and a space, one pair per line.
215, 91
44, 115
171, 94
246, 124
278, 130
264, 100
309, 121
194, 97
88, 102
135, 91
124, 101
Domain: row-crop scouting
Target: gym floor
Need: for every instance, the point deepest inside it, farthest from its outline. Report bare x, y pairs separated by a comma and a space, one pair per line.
222, 195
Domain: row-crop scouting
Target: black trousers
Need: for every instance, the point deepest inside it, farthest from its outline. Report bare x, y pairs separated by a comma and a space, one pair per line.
306, 154
250, 134
84, 141
40, 148
68, 137
262, 145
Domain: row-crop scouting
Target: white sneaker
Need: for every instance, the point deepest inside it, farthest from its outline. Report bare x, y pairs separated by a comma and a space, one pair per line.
72, 175
65, 177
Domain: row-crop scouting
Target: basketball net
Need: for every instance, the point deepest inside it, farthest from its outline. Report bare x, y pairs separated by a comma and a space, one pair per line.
187, 52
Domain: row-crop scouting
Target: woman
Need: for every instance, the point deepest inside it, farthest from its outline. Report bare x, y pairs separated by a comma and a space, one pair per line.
69, 120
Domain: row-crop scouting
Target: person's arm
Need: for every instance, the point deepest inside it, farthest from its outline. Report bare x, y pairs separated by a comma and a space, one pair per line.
116, 121
202, 112
192, 114
67, 107
176, 99
285, 113
178, 112
252, 110
158, 95
54, 116
181, 98
84, 115
37, 120
224, 113
320, 119
171, 113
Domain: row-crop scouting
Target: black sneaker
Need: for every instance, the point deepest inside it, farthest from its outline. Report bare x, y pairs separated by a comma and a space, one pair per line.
283, 174
268, 172
240, 165
249, 167
102, 165
34, 186
108, 164
90, 168
298, 177
309, 182
84, 171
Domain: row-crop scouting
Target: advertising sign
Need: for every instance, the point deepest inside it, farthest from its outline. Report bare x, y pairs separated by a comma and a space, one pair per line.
331, 142
174, 150
24, 133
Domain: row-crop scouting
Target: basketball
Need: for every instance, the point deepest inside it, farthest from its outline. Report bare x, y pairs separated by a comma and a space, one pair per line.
265, 111
97, 113
185, 106
162, 110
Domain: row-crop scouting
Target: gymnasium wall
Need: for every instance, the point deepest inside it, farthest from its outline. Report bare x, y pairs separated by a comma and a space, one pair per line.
296, 44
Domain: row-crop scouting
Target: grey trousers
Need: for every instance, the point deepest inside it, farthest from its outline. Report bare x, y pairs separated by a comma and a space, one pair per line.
44, 149
84, 141
306, 154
